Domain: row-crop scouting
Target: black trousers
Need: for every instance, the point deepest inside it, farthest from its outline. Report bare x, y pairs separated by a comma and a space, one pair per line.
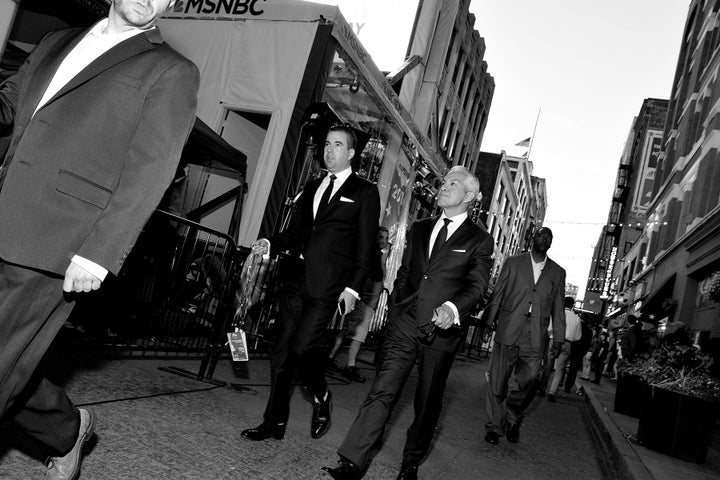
401, 349
302, 342
32, 311
576, 362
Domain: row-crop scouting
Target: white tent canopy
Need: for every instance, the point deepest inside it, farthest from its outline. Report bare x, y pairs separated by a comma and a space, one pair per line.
252, 66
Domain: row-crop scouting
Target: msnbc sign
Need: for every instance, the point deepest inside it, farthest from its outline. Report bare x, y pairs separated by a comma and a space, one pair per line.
227, 7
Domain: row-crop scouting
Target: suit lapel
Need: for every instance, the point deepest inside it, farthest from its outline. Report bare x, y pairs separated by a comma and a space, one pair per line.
43, 74
122, 51
308, 197
425, 241
528, 267
547, 271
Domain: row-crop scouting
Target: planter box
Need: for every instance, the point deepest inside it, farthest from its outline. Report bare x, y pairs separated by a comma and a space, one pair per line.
629, 394
676, 424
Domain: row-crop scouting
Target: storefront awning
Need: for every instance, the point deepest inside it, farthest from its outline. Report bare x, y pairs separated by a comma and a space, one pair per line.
658, 295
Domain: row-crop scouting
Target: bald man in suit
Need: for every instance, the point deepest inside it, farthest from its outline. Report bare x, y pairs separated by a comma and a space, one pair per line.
529, 294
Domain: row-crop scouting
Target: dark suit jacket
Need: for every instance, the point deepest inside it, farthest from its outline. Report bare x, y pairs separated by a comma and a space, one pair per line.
83, 175
459, 273
516, 290
337, 245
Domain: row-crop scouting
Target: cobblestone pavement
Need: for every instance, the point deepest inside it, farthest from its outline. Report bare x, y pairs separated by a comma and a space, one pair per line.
153, 424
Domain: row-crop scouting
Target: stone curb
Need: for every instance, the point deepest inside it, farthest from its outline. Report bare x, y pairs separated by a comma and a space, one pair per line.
621, 459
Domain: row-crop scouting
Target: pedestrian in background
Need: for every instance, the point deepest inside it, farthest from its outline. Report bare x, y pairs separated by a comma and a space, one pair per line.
587, 359
99, 118
599, 355
578, 351
528, 295
609, 370
573, 333
631, 341
357, 322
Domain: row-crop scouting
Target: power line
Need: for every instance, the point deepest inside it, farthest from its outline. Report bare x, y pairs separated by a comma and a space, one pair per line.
628, 224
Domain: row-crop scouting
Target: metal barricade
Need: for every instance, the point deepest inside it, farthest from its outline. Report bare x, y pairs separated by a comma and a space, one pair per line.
174, 297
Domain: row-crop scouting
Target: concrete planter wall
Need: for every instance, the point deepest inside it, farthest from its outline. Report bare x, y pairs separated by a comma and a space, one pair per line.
676, 424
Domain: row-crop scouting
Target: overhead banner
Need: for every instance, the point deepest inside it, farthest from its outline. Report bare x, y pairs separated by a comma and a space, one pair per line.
250, 9
395, 214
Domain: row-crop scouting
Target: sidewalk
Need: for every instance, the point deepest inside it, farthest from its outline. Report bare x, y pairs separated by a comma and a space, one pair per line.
157, 425
616, 434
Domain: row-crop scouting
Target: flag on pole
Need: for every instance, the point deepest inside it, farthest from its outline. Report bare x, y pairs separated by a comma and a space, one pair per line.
524, 143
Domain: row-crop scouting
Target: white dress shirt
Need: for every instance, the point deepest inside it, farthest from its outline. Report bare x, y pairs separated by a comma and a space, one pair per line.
537, 268
93, 44
452, 227
340, 178
537, 271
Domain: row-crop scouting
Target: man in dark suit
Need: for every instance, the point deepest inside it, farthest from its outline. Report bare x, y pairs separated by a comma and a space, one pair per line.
529, 292
330, 241
444, 274
99, 118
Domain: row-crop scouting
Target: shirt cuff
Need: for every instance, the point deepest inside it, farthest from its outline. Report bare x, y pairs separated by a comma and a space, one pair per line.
456, 314
352, 292
92, 267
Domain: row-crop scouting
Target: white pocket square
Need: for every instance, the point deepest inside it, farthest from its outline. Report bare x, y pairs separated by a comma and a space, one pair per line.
348, 200
460, 251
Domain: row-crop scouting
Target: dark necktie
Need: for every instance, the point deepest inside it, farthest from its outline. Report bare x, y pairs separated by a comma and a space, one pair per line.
441, 237
325, 199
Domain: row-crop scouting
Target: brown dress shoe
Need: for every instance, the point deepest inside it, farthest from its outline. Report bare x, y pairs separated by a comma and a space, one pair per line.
68, 466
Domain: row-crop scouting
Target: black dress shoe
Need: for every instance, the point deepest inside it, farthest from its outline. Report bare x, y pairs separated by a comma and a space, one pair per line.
492, 438
513, 432
264, 431
331, 366
346, 470
353, 374
408, 471
322, 410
